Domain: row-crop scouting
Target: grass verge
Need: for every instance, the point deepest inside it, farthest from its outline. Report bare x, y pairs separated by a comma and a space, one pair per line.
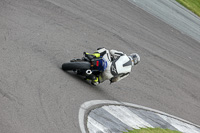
193, 5
152, 130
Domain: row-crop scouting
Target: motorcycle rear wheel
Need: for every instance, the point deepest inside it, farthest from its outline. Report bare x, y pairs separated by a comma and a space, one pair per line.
75, 65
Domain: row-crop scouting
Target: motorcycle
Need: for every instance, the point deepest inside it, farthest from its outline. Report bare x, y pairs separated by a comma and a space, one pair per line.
89, 66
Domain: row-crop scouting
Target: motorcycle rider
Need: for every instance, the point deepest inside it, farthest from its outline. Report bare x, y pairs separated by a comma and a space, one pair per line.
118, 65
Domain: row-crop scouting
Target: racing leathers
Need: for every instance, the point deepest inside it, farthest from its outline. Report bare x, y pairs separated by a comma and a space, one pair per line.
118, 66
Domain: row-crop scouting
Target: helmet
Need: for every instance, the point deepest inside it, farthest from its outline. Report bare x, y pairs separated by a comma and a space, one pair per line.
135, 58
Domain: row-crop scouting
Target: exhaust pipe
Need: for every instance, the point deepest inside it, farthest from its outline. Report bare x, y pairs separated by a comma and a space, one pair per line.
88, 72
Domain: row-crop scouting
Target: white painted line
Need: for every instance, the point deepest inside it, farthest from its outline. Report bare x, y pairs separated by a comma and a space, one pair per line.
82, 119
90, 105
108, 120
85, 107
185, 128
126, 116
95, 127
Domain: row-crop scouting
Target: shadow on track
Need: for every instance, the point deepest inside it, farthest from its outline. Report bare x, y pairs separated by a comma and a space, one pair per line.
80, 78
98, 89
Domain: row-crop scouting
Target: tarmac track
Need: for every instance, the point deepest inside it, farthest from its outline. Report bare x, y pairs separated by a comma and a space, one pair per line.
37, 36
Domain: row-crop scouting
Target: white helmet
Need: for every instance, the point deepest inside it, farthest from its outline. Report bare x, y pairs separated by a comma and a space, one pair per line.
135, 58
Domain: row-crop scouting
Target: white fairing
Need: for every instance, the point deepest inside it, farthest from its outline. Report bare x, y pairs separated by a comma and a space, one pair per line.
119, 68
120, 62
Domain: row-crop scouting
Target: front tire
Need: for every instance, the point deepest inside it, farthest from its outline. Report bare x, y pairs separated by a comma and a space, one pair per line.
75, 65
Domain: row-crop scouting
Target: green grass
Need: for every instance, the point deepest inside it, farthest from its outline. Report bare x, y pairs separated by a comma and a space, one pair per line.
152, 130
193, 5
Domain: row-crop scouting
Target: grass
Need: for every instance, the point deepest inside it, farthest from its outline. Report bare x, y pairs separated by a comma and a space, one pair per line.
193, 5
152, 130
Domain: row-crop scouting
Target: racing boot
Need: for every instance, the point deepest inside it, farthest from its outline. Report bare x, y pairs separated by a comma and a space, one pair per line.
95, 82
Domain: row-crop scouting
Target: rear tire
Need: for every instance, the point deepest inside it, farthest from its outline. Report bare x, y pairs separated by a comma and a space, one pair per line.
75, 65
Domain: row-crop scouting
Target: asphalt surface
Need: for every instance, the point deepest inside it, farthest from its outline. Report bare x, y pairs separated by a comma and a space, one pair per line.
173, 14
37, 36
